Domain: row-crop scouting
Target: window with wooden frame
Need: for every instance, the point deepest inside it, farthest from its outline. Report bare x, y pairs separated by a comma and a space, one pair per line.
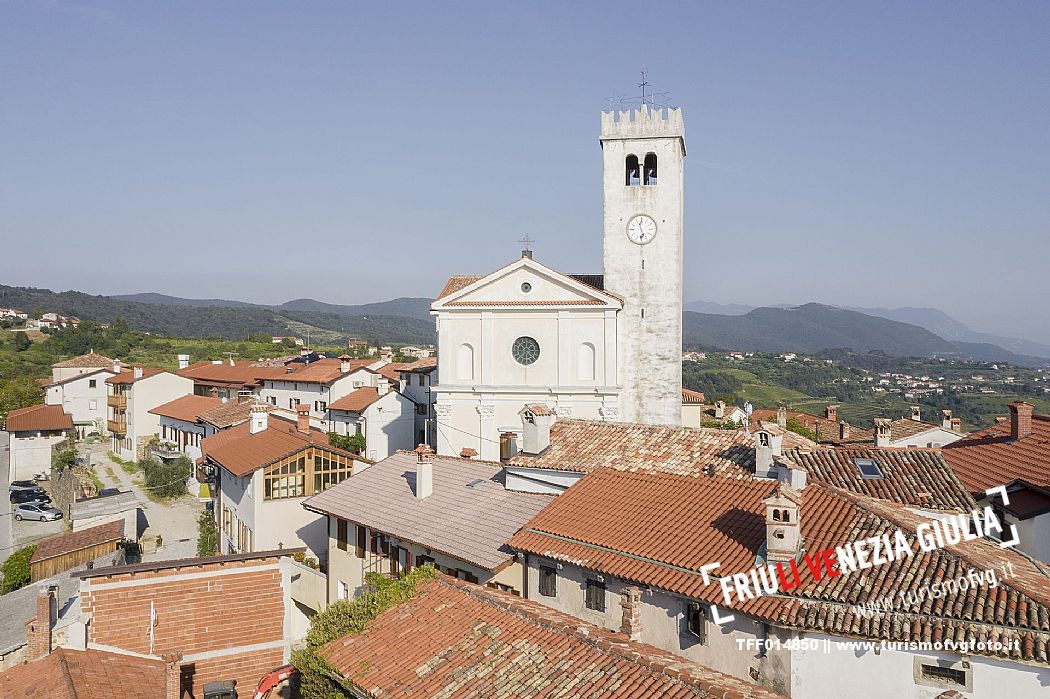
548, 581
422, 560
341, 535
694, 622
594, 595
361, 541
305, 473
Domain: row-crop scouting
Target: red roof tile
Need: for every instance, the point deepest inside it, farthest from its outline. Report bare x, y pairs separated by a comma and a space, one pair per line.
187, 408
240, 452
84, 674
356, 401
468, 640
991, 457
690, 396
127, 376
232, 412
38, 417
86, 361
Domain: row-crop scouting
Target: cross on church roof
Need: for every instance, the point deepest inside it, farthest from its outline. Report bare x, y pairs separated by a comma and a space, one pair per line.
526, 242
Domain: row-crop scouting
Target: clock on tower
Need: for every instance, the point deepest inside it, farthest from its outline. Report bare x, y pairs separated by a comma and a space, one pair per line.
643, 153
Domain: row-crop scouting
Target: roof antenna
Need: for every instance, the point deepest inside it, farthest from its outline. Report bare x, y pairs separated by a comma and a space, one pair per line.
644, 84
526, 243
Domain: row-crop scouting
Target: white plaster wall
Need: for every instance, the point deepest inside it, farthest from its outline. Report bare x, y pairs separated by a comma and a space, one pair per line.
539, 480
817, 674
935, 437
145, 395
82, 402
193, 451
30, 454
286, 522
647, 276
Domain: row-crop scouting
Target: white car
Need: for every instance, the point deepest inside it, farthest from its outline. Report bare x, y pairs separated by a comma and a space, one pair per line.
37, 511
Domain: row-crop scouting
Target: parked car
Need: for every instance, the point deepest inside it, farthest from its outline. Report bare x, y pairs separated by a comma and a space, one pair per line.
106, 492
37, 511
23, 485
37, 495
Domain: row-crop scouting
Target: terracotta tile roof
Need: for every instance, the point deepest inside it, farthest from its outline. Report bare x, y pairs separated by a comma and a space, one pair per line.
690, 396
356, 400
990, 457
78, 377
127, 376
391, 371
323, 371
420, 366
246, 375
587, 445
187, 408
903, 428
469, 516
918, 477
601, 524
474, 641
84, 674
86, 361
232, 413
74, 541
38, 417
650, 527
240, 452
457, 282
827, 430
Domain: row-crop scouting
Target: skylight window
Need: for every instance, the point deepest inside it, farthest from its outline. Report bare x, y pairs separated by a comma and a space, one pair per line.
868, 468
476, 484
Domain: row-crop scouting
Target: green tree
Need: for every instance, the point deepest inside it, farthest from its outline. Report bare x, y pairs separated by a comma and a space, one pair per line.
21, 341
166, 479
19, 392
346, 617
15, 570
208, 535
354, 443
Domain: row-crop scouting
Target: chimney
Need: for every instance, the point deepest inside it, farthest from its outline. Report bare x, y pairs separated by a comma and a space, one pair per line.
782, 417
956, 425
883, 435
214, 392
303, 424
782, 527
172, 675
916, 413
184, 361
38, 629
831, 412
720, 409
468, 452
231, 361
843, 431
946, 419
344, 363
116, 367
137, 372
1020, 419
259, 418
424, 471
536, 423
631, 602
382, 386
792, 476
526, 253
768, 445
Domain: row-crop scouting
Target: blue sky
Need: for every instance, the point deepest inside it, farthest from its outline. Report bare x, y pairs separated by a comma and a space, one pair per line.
877, 154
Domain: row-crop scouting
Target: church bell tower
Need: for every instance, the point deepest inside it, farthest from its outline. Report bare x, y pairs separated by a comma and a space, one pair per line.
644, 153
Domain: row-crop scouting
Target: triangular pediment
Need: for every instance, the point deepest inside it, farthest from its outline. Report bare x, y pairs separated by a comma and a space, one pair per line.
527, 283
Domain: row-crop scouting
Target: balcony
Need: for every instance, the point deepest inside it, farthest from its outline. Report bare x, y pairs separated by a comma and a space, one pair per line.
309, 586
119, 400
117, 426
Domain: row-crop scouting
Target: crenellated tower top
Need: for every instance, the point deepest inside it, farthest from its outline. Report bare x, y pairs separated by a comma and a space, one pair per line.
645, 122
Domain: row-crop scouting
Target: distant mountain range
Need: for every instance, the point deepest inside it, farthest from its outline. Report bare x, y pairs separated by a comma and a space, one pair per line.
965, 342
809, 328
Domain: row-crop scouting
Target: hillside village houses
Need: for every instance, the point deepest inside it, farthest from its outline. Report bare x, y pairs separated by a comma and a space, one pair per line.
79, 386
34, 431
133, 393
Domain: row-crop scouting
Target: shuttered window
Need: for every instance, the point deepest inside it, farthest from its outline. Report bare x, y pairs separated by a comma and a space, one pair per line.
341, 533
594, 595
548, 581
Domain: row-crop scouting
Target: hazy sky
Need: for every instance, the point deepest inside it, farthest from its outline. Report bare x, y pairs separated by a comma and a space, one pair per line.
872, 154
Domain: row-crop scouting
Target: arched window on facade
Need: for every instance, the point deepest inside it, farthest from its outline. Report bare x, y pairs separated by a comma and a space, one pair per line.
465, 363
649, 169
633, 172
585, 362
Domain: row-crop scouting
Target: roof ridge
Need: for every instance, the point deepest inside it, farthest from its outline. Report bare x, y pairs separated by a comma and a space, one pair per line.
638, 653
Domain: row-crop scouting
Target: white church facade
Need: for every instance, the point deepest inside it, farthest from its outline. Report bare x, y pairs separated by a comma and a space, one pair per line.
601, 346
